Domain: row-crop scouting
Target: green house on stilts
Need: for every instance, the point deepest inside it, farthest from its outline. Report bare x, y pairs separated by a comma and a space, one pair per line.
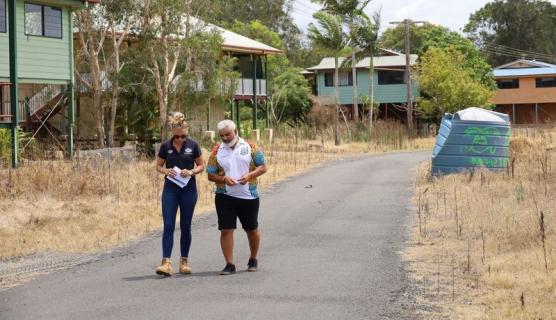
36, 68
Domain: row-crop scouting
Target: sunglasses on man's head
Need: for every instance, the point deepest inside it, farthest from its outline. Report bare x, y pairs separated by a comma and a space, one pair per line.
183, 136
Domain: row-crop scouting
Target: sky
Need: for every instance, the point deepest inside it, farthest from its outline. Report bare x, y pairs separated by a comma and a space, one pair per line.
453, 14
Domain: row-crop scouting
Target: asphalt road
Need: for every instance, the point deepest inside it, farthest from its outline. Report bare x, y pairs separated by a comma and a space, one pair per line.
330, 250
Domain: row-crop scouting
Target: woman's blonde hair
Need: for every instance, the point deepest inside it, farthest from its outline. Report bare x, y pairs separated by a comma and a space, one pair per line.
177, 120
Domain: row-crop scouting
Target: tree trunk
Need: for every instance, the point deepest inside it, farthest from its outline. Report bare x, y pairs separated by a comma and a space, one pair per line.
96, 84
91, 49
371, 92
116, 89
99, 119
336, 102
354, 86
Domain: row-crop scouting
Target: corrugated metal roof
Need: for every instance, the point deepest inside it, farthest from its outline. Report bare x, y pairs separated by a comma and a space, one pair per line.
522, 72
235, 42
532, 63
231, 40
379, 62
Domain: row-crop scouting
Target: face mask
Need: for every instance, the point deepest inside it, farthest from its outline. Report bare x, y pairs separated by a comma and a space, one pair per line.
231, 143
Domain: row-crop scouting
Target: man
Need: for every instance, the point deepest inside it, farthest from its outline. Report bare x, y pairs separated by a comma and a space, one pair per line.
234, 166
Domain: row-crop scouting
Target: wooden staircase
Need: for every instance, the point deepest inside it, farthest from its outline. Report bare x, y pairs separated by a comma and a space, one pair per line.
38, 109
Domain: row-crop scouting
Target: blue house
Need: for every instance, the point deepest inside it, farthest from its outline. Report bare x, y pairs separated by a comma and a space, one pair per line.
390, 89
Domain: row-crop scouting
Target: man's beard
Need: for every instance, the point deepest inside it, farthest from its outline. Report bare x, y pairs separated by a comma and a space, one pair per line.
231, 143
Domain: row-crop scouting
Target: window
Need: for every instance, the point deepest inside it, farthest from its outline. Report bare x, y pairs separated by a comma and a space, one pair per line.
245, 67
3, 16
345, 79
507, 84
546, 82
43, 21
391, 77
52, 18
329, 79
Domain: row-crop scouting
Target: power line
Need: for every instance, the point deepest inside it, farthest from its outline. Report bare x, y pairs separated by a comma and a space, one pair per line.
520, 54
305, 5
302, 12
513, 55
517, 52
513, 49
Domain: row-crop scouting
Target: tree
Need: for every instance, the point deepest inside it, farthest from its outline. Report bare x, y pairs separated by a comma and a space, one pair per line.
365, 35
256, 30
208, 76
331, 36
164, 25
91, 33
102, 30
429, 35
120, 16
509, 29
290, 97
273, 14
447, 85
474, 62
394, 38
290, 91
349, 11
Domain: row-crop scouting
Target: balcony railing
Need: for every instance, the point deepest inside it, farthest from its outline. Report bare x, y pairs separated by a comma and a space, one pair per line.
245, 87
105, 82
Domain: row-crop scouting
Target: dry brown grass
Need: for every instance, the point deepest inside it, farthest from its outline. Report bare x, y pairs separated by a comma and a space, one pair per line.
479, 247
50, 205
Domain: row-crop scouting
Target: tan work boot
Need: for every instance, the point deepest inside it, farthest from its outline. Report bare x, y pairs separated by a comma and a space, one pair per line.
165, 268
184, 266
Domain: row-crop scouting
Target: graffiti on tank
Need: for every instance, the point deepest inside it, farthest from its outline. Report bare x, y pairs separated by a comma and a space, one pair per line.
489, 162
480, 146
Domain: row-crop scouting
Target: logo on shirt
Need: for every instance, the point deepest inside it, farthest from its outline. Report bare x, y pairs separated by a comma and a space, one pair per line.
188, 151
170, 151
244, 150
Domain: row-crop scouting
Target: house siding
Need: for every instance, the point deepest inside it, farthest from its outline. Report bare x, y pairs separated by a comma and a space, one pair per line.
526, 93
393, 93
40, 59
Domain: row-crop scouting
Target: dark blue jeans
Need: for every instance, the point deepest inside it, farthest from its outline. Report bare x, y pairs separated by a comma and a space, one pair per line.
172, 198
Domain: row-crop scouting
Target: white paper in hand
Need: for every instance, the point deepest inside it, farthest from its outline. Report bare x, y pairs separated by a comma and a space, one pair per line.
178, 179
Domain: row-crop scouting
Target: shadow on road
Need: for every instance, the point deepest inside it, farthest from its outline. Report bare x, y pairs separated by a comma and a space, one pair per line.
177, 275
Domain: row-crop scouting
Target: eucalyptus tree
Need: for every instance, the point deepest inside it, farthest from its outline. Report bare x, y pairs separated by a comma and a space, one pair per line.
101, 31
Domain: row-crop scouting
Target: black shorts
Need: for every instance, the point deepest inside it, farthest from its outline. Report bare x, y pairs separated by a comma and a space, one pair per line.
230, 208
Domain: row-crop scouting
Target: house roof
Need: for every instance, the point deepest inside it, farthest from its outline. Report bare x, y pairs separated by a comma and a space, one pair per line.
231, 41
390, 52
238, 43
523, 63
523, 72
523, 68
379, 62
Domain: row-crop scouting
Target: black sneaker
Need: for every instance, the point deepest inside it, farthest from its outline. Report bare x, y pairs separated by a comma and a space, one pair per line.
228, 269
252, 265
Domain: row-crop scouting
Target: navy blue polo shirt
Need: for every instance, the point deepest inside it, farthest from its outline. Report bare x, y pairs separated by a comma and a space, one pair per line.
184, 158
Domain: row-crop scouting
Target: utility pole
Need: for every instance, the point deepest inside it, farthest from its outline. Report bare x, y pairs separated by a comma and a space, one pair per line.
407, 23
14, 80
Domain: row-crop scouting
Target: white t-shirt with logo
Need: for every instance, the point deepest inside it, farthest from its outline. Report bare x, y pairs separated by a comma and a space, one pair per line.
236, 163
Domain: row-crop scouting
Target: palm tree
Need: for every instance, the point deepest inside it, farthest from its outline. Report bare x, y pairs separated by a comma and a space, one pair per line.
365, 36
330, 35
349, 11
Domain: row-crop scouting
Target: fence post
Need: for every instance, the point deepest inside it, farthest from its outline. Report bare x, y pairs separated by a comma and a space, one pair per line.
78, 161
109, 169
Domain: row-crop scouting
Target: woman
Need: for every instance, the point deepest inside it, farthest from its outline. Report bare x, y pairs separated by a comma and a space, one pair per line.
184, 153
